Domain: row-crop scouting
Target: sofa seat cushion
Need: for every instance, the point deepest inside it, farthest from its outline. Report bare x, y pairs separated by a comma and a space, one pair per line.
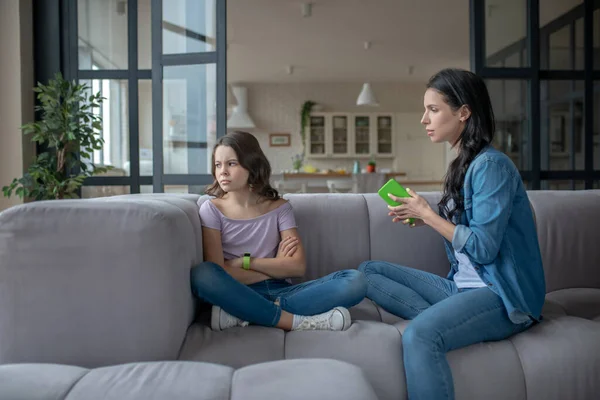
302, 379
366, 310
287, 380
560, 358
373, 346
235, 347
578, 302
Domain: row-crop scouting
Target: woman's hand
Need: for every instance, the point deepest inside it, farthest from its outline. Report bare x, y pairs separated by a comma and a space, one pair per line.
287, 247
415, 224
414, 206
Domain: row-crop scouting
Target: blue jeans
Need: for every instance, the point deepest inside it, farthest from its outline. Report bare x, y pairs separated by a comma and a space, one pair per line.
261, 303
444, 318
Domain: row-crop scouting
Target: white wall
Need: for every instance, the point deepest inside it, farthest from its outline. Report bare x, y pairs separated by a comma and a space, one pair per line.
276, 108
16, 97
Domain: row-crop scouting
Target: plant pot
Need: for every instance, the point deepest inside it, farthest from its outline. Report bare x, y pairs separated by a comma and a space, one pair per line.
370, 168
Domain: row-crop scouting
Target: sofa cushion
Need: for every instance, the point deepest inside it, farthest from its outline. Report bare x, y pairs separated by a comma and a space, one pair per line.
578, 302
235, 347
560, 358
567, 222
366, 310
334, 231
300, 380
94, 282
156, 380
285, 380
38, 381
421, 248
490, 371
374, 347
185, 202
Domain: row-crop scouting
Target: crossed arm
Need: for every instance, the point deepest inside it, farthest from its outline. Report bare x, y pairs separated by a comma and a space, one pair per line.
288, 263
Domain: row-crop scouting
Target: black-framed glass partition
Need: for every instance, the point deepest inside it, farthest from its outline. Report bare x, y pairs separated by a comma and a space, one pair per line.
541, 62
161, 67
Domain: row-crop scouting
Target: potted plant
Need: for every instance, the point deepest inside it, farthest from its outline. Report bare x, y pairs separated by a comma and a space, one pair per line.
371, 165
304, 120
70, 128
297, 162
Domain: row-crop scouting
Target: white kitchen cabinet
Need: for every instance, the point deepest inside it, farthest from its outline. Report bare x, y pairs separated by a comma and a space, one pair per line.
350, 135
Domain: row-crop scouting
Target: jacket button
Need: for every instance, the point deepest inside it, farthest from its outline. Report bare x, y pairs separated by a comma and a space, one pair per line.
489, 284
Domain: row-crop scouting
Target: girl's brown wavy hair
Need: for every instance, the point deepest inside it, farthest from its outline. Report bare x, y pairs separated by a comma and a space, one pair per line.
251, 158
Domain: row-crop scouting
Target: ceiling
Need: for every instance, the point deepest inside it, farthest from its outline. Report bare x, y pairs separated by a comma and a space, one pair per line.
410, 40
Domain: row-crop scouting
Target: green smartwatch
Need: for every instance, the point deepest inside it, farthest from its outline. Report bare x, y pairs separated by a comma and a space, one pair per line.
246, 261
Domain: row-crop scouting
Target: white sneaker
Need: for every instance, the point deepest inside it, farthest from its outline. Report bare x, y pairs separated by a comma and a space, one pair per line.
221, 319
338, 319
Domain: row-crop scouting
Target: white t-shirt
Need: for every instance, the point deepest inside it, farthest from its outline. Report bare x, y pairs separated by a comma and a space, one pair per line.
466, 277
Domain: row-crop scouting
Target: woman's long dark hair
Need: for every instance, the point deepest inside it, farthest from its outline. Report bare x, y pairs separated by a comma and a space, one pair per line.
463, 88
251, 158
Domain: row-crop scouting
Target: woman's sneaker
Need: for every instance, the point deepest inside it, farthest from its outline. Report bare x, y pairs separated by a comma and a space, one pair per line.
221, 319
337, 319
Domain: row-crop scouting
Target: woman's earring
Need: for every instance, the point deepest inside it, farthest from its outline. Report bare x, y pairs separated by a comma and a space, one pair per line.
251, 186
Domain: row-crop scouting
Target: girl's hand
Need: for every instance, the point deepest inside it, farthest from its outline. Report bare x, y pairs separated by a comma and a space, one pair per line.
414, 206
234, 263
287, 247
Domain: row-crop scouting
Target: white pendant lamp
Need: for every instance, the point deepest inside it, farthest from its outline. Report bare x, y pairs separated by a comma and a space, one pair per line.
366, 96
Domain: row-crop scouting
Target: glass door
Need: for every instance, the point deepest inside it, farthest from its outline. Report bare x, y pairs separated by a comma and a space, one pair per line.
384, 134
362, 135
340, 134
188, 91
316, 135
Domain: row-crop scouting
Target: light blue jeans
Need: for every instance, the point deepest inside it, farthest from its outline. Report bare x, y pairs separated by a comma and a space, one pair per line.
444, 318
261, 303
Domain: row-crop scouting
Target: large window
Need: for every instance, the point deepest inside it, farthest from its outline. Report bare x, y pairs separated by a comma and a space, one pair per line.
540, 60
160, 66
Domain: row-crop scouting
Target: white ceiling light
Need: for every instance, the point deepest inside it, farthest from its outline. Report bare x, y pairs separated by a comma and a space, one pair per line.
239, 118
366, 96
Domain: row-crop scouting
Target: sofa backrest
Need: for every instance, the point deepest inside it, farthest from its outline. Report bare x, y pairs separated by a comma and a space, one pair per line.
340, 231
568, 227
96, 282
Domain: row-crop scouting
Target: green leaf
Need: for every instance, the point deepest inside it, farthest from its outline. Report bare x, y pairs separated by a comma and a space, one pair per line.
67, 122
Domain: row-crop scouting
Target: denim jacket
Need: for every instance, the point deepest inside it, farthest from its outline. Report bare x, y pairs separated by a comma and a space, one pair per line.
498, 234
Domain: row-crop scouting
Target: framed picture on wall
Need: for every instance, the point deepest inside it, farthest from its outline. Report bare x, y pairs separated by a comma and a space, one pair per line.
280, 140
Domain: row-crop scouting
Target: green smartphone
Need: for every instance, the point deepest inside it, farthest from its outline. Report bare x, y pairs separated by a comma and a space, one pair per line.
392, 186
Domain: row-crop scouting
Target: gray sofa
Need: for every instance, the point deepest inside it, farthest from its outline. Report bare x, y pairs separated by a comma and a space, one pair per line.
101, 284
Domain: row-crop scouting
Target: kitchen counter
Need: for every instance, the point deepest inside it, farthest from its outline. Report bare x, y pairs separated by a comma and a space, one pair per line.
365, 182
336, 175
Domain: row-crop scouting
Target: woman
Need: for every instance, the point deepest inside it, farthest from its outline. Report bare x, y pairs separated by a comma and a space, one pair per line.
252, 248
495, 287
